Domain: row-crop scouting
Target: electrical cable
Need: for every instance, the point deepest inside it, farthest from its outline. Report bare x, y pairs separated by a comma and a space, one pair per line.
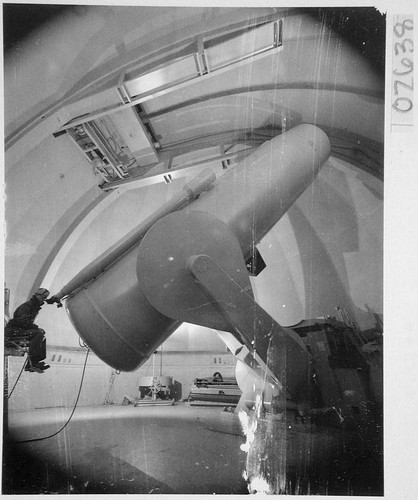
72, 413
17, 380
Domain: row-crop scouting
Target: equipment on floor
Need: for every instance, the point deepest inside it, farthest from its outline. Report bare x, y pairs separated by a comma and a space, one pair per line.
151, 391
158, 387
214, 391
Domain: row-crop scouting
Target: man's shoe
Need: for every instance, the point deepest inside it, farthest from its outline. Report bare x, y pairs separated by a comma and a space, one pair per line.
41, 366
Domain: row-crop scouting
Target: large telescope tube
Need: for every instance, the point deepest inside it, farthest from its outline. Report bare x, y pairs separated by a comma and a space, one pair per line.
112, 314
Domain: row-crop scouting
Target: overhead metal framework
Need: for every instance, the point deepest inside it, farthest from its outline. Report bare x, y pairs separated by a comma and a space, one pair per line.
133, 147
202, 59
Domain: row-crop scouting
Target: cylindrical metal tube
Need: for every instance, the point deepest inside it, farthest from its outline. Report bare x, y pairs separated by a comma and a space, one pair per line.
112, 314
252, 197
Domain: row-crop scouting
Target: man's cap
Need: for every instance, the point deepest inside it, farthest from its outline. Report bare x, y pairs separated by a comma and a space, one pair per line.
42, 293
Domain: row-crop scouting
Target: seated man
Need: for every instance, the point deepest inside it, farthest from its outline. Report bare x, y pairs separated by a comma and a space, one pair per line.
22, 325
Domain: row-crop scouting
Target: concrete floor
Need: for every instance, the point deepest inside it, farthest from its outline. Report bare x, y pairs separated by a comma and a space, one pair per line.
124, 449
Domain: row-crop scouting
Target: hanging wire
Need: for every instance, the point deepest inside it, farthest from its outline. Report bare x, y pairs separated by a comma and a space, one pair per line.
17, 380
72, 413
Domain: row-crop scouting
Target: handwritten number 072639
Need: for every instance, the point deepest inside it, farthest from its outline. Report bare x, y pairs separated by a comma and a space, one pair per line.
403, 104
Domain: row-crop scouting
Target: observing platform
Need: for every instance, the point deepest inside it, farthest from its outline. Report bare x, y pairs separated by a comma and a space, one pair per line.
16, 347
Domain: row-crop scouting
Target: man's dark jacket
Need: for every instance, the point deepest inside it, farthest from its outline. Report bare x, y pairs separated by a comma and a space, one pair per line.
25, 315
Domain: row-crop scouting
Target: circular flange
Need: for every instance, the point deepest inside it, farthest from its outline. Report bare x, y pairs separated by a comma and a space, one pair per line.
162, 265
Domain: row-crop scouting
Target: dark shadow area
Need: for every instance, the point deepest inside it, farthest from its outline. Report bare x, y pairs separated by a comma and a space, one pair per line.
25, 474
20, 20
362, 27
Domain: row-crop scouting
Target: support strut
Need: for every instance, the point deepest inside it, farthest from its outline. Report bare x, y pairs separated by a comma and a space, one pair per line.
256, 329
